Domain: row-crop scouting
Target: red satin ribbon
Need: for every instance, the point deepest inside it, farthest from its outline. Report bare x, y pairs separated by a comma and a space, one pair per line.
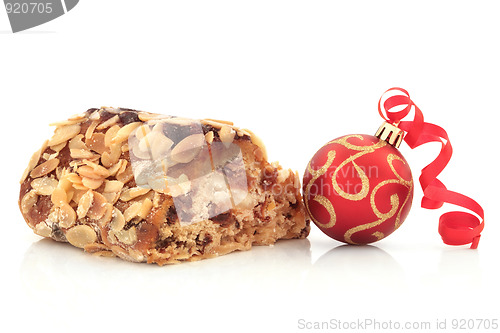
455, 228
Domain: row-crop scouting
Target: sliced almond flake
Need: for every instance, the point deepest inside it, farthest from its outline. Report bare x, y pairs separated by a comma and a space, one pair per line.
67, 216
33, 161
147, 204
113, 186
28, 202
96, 143
63, 134
226, 135
81, 235
110, 134
127, 237
44, 186
108, 123
98, 207
209, 137
84, 204
114, 169
219, 121
99, 170
187, 149
132, 211
111, 197
44, 168
59, 197
118, 221
92, 183
106, 217
91, 129
81, 153
42, 229
133, 193
124, 132
59, 147
68, 122
77, 143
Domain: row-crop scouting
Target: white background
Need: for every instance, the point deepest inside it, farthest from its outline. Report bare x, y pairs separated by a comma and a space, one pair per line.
298, 73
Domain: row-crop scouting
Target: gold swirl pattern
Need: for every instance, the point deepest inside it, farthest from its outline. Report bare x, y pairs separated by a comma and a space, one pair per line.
319, 198
382, 217
323, 201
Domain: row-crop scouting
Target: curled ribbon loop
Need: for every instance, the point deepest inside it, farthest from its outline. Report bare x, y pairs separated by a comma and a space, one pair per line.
455, 228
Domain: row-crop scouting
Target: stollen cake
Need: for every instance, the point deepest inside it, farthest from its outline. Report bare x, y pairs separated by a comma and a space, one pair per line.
158, 189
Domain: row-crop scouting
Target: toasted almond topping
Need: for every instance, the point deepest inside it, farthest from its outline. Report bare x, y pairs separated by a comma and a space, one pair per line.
106, 217
92, 183
96, 143
33, 161
73, 178
187, 149
98, 207
81, 235
93, 170
68, 122
110, 134
145, 208
108, 159
84, 204
132, 211
258, 142
77, 143
209, 137
81, 153
64, 133
42, 229
29, 201
118, 221
219, 121
67, 216
59, 147
126, 175
113, 186
226, 135
44, 168
59, 197
127, 237
91, 129
111, 197
124, 132
110, 122
44, 186
132, 193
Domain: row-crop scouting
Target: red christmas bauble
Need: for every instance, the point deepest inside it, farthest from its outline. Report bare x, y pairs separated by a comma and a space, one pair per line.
358, 189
